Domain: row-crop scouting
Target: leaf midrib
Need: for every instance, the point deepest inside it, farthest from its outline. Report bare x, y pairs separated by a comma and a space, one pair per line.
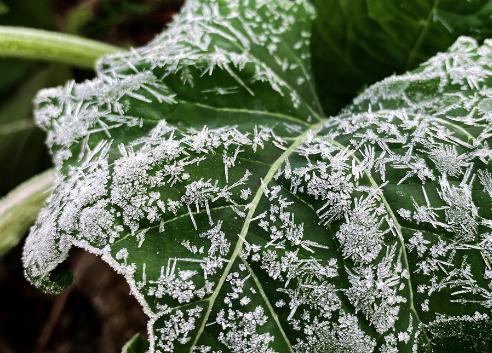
244, 231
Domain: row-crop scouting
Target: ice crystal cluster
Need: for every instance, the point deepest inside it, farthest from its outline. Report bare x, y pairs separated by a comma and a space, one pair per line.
201, 168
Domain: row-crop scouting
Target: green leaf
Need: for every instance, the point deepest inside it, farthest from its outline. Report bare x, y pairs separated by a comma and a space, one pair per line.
22, 150
360, 42
3, 8
137, 344
38, 14
201, 169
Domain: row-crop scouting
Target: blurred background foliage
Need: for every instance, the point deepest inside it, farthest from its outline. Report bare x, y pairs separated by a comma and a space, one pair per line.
359, 42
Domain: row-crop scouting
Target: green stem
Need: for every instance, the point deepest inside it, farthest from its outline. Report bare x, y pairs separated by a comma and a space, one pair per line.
20, 208
55, 47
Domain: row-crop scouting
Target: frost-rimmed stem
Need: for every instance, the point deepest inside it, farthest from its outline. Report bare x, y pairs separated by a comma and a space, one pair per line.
20, 208
38, 44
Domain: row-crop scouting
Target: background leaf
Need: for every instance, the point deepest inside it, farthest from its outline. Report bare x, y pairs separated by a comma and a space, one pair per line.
356, 43
138, 344
22, 150
38, 14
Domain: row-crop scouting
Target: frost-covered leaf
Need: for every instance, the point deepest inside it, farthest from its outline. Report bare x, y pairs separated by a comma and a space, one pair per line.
360, 42
200, 168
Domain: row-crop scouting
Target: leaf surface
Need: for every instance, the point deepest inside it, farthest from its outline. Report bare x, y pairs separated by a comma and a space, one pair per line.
200, 168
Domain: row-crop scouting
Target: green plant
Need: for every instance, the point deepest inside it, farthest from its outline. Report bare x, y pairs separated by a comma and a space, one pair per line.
361, 42
203, 169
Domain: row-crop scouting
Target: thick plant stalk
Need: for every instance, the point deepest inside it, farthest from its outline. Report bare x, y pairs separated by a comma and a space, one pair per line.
51, 46
20, 207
